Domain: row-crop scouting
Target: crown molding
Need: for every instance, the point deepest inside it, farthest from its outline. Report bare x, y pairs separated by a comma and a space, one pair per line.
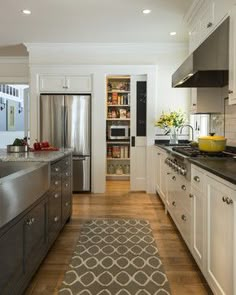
14, 60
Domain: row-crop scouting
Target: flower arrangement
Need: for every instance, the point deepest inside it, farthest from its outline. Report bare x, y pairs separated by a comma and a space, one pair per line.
172, 119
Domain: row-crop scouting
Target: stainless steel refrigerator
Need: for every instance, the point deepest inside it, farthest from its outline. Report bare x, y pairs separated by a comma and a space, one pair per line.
65, 121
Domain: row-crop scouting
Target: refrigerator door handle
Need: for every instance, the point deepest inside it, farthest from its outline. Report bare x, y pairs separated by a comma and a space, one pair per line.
79, 158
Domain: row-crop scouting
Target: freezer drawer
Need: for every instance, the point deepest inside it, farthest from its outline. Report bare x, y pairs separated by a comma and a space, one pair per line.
81, 174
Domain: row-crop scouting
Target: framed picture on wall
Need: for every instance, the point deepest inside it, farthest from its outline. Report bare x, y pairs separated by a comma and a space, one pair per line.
11, 115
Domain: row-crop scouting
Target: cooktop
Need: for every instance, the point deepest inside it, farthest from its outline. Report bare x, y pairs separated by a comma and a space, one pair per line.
195, 152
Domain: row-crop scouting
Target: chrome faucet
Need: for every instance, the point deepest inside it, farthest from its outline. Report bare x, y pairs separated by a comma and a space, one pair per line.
191, 127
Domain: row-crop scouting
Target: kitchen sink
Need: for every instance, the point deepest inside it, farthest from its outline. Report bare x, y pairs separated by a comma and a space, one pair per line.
21, 184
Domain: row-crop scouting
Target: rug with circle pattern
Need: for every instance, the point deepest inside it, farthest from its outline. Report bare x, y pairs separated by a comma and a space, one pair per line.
115, 257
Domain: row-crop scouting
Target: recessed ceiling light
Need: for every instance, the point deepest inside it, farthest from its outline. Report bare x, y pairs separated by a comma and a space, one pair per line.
146, 11
172, 33
26, 11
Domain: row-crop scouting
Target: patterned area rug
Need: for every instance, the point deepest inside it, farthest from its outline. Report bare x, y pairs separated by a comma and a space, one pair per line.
115, 257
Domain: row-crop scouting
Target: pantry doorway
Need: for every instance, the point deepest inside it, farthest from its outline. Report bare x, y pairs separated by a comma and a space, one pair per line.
126, 105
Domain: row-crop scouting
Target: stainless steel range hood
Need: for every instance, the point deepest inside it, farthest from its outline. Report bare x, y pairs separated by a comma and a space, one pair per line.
208, 65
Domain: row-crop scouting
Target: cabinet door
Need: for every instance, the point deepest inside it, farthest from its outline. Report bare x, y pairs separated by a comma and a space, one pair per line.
66, 204
35, 241
54, 214
232, 57
52, 83
11, 258
197, 226
207, 20
220, 237
157, 159
78, 83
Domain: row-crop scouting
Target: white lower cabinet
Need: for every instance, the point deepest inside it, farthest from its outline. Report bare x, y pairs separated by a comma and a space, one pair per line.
160, 172
213, 229
197, 226
220, 233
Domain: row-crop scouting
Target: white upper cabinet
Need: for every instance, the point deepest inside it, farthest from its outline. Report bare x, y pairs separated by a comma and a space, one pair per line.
65, 84
232, 57
203, 17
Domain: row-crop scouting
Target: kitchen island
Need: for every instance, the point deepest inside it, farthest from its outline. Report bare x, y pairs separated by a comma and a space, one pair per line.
36, 218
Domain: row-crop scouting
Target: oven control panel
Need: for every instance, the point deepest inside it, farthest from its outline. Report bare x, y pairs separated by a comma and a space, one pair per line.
176, 165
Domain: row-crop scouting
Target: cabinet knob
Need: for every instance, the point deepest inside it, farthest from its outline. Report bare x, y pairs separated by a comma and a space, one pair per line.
67, 163
168, 173
174, 178
183, 187
56, 182
57, 169
67, 173
230, 92
184, 218
191, 195
210, 24
56, 218
196, 178
56, 196
229, 201
224, 199
67, 184
67, 204
174, 203
30, 221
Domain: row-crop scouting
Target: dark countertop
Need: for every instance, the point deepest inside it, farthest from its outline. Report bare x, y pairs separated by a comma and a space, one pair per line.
222, 167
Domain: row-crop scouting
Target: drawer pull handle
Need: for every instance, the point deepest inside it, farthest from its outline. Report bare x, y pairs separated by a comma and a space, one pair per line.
184, 218
174, 178
196, 178
168, 173
230, 92
183, 187
56, 218
191, 195
56, 196
174, 203
158, 154
65, 87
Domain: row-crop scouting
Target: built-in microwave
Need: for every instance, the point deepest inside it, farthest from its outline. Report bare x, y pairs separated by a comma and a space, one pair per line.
118, 132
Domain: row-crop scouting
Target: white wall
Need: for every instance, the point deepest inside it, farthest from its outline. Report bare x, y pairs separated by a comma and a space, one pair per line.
8, 137
14, 70
157, 61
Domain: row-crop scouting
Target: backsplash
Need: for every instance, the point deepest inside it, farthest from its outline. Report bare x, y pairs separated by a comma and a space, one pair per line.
230, 123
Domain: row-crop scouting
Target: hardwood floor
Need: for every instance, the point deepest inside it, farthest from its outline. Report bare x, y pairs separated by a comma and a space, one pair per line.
183, 273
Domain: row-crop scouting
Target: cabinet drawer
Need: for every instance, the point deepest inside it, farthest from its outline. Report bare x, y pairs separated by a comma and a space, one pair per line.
35, 240
55, 184
197, 178
184, 221
54, 215
55, 169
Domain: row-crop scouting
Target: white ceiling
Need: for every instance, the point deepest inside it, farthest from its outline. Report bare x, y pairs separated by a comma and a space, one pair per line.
69, 21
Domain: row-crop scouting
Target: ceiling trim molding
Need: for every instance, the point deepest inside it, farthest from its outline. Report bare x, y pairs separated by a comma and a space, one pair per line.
14, 60
115, 46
